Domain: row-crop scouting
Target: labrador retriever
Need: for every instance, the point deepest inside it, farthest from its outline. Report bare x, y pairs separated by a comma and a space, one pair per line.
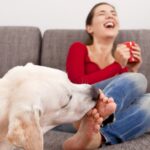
34, 99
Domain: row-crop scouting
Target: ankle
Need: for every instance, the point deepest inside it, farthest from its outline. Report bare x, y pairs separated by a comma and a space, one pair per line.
76, 124
96, 142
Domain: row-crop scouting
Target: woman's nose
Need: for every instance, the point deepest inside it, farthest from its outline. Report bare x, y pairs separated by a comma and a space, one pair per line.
109, 15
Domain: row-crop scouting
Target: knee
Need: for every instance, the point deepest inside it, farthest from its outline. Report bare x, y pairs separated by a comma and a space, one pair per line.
138, 80
144, 103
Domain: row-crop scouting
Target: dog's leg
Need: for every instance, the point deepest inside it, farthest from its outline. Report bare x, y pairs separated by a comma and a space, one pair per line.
3, 120
25, 131
6, 146
3, 128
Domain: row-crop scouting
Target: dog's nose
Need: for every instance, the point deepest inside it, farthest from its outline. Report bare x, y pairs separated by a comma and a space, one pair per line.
95, 93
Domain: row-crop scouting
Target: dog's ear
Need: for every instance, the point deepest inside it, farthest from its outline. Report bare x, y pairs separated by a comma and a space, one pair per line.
25, 131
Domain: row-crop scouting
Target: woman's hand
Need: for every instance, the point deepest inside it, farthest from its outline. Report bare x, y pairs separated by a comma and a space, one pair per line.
133, 67
122, 54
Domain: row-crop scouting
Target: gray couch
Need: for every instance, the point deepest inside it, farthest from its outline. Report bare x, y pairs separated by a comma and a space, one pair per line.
19, 45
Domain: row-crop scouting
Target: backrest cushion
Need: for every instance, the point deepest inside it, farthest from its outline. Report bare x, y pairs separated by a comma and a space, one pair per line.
18, 45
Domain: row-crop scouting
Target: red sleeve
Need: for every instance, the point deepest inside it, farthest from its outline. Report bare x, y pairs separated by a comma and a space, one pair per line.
75, 67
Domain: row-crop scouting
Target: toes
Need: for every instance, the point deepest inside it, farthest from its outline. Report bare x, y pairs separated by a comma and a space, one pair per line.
89, 112
98, 124
94, 112
106, 99
102, 96
96, 116
110, 99
100, 120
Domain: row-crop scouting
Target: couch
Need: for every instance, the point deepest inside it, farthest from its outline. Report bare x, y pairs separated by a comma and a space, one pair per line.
19, 45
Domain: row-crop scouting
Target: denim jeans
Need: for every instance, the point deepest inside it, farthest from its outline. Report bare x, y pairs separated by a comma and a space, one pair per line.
133, 108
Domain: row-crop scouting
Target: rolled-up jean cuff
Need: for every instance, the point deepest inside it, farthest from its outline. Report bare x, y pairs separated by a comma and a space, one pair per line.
109, 119
106, 137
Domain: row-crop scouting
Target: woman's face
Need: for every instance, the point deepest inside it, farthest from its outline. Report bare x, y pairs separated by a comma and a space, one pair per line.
105, 23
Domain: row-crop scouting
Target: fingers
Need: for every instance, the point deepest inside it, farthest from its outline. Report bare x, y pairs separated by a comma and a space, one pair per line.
136, 48
137, 55
121, 45
122, 54
137, 52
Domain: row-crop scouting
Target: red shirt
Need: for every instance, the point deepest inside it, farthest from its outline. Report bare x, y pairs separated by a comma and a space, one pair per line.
81, 69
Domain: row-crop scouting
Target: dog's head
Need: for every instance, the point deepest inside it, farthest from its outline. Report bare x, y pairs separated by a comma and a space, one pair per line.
70, 102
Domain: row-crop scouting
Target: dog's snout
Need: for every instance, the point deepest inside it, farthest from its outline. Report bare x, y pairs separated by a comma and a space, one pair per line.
95, 93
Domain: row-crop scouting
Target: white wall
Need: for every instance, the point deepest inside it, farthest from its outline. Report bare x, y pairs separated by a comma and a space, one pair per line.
58, 14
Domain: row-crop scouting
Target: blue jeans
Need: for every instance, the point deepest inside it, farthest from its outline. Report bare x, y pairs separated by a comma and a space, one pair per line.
133, 107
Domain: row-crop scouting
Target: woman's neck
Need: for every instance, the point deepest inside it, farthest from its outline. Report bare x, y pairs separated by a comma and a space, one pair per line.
103, 46
100, 52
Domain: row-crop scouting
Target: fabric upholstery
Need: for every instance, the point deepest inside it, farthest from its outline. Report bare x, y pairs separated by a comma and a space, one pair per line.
18, 45
55, 46
53, 140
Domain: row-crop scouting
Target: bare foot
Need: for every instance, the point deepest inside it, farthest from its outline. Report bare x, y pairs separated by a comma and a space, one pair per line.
88, 136
105, 106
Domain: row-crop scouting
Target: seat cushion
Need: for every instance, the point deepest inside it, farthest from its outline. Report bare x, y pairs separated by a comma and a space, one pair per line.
54, 140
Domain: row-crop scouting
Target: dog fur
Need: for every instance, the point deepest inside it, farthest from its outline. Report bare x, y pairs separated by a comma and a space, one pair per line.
34, 99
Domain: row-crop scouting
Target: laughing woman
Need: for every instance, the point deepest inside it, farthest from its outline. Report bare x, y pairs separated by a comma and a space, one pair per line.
111, 71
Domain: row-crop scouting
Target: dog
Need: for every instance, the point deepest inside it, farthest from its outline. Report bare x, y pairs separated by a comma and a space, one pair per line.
35, 99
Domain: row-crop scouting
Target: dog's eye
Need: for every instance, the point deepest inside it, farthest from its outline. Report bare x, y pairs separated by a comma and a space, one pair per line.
70, 97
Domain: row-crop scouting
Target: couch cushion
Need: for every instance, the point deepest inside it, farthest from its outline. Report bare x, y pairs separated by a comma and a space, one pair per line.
57, 42
55, 46
18, 45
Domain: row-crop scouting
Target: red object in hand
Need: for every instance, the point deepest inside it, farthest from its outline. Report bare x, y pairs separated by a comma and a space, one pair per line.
129, 45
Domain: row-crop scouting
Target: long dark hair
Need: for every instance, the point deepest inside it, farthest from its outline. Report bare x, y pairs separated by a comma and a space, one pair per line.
89, 20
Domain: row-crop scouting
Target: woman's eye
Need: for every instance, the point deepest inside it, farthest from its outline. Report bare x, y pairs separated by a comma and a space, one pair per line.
101, 14
114, 14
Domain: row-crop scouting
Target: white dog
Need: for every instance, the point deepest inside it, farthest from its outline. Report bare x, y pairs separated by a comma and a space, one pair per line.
34, 99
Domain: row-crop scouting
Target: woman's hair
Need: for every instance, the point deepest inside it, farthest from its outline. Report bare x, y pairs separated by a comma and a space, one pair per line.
89, 19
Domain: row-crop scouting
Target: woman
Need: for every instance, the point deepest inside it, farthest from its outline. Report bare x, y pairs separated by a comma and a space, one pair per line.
112, 72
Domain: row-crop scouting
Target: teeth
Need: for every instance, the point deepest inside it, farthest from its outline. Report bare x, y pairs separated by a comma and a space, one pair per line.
109, 24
